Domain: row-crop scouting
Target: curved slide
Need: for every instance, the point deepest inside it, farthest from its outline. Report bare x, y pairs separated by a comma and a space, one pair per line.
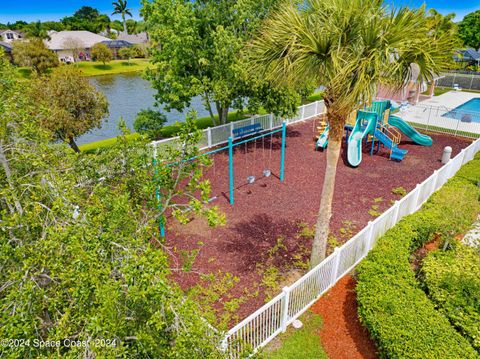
354, 154
322, 141
410, 132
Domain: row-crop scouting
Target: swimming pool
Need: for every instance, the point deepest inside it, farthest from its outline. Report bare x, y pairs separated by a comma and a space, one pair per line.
466, 112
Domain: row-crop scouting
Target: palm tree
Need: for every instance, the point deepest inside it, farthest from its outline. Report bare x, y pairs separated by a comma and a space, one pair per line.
350, 47
120, 7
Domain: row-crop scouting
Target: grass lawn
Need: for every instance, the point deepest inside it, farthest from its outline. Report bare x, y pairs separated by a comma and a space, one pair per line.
92, 146
303, 343
438, 91
92, 68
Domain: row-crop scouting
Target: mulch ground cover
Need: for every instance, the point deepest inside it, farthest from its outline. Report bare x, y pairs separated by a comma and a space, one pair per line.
342, 335
268, 230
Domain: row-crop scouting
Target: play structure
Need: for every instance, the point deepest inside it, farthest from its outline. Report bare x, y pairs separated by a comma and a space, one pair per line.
371, 125
242, 136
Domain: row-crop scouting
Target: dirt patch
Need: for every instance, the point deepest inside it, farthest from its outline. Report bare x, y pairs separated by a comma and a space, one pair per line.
342, 335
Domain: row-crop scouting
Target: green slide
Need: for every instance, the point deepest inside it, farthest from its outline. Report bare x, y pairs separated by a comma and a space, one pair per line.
365, 124
409, 131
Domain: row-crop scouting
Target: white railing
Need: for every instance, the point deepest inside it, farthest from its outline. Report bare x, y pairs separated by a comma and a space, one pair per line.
273, 318
218, 135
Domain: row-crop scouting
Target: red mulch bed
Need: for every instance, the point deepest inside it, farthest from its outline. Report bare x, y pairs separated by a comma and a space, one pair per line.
268, 209
342, 335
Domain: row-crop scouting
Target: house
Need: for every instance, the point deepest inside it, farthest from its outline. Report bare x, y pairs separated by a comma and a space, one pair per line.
72, 46
10, 36
116, 45
136, 39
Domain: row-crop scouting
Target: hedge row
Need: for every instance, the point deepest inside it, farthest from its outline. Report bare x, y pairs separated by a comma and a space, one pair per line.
398, 314
453, 281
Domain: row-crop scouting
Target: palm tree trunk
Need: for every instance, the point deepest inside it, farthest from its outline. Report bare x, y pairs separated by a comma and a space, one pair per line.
319, 246
124, 24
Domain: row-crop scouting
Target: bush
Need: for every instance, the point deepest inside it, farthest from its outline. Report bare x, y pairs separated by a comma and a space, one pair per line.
397, 312
150, 122
453, 282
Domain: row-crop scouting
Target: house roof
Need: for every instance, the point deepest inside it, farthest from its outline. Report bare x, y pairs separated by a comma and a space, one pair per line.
140, 38
6, 46
60, 40
117, 43
469, 55
8, 30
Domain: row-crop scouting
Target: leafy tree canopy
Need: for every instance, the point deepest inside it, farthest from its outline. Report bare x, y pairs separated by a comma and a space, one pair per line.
196, 53
74, 105
469, 30
81, 259
34, 54
101, 52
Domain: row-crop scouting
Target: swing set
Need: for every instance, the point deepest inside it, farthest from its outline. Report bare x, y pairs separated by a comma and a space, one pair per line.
239, 134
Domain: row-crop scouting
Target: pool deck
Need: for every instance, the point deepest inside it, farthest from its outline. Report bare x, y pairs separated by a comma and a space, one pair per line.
429, 113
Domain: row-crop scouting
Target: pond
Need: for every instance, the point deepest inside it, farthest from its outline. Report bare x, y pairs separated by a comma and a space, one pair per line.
127, 94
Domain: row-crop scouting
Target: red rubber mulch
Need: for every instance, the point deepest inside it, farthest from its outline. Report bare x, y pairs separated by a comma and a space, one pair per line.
342, 335
269, 209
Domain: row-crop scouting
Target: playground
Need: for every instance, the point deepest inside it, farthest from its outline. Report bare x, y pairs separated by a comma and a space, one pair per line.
266, 242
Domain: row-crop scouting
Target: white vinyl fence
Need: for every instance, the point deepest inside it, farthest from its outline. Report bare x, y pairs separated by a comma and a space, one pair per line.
443, 120
218, 135
273, 318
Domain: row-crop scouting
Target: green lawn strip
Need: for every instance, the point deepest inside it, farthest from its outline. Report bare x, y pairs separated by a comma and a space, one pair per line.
303, 343
92, 146
91, 68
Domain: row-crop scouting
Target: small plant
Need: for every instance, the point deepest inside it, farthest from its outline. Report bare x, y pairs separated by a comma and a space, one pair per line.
270, 280
277, 247
399, 191
332, 242
373, 212
188, 258
211, 259
305, 230
378, 200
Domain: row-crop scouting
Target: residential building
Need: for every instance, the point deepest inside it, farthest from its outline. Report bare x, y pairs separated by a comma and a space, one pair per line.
136, 39
72, 46
116, 45
10, 35
7, 48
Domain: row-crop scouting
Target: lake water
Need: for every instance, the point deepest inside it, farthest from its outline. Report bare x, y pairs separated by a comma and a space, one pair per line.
127, 94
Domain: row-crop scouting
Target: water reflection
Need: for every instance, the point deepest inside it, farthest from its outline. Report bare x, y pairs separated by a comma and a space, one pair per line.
127, 94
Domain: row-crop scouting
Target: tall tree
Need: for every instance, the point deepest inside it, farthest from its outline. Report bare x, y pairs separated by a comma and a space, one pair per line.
33, 53
87, 18
120, 7
196, 47
350, 47
469, 30
82, 265
74, 105
101, 52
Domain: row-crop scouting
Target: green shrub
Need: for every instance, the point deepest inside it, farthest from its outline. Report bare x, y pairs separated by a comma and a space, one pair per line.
150, 122
453, 282
397, 312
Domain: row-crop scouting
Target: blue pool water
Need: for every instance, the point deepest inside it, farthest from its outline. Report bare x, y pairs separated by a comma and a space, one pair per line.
466, 112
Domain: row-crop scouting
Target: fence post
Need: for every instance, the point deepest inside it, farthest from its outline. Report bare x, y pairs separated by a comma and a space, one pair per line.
271, 121
230, 169
370, 237
416, 197
286, 299
397, 211
429, 115
337, 252
209, 137
316, 107
435, 184
303, 112
231, 129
